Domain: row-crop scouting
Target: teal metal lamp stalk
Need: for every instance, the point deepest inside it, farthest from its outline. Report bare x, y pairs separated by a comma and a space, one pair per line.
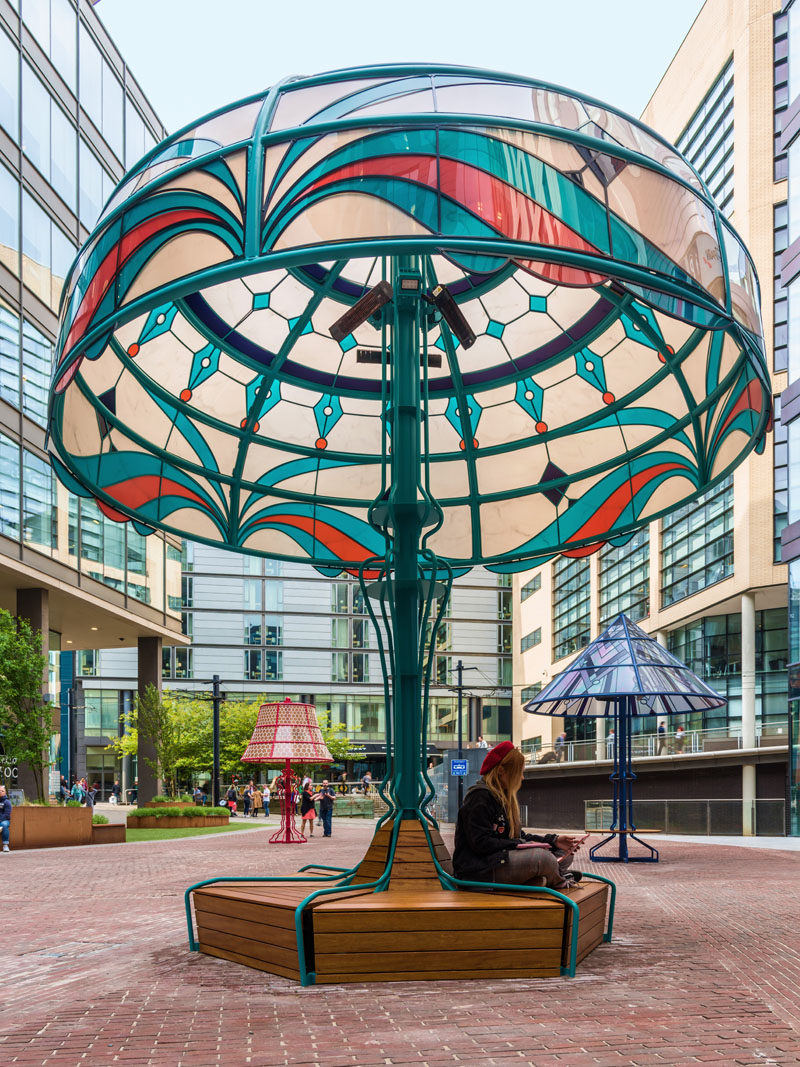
406, 528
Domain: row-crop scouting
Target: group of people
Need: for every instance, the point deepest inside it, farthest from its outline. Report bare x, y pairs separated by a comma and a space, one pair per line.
255, 798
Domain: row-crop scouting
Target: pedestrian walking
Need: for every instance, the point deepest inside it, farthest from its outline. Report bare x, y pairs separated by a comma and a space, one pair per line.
247, 800
257, 799
266, 796
342, 779
481, 743
662, 737
232, 799
680, 738
5, 818
308, 810
326, 797
63, 790
76, 793
610, 745
561, 747
366, 782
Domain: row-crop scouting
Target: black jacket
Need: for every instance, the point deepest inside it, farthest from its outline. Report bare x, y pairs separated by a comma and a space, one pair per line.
482, 835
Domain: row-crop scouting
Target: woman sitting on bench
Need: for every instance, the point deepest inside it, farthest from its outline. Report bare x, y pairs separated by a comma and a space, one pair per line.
490, 845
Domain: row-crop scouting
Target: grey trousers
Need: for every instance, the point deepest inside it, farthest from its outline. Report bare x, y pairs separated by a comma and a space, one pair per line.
534, 866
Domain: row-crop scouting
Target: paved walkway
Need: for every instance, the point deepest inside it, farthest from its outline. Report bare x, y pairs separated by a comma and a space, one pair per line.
704, 968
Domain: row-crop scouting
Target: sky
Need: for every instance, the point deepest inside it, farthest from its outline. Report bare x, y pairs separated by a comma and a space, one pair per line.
192, 56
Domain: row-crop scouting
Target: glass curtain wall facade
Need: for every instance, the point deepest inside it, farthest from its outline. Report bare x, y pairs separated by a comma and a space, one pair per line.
275, 629
72, 119
789, 267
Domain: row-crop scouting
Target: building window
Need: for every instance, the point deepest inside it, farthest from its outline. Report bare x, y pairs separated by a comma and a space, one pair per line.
101, 712
625, 579
340, 600
9, 487
187, 555
504, 675
504, 638
252, 594
358, 601
251, 565
273, 630
779, 305
707, 140
9, 87
505, 581
441, 670
252, 665
780, 80
87, 662
780, 512
187, 623
39, 516
183, 663
252, 629
530, 692
273, 666
360, 667
697, 544
571, 608
360, 633
340, 633
531, 639
339, 667
9, 336
531, 587
504, 604
166, 662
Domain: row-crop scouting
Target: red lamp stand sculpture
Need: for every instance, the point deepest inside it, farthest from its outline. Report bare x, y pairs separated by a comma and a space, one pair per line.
284, 732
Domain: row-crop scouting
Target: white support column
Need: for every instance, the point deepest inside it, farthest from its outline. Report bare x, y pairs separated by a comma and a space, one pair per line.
748, 709
661, 637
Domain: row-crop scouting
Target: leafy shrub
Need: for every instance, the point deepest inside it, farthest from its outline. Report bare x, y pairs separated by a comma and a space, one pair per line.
177, 813
99, 820
73, 804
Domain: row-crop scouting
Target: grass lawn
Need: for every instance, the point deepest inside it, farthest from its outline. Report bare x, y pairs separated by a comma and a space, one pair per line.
190, 831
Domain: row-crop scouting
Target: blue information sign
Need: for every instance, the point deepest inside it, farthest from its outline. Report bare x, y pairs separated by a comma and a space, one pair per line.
458, 767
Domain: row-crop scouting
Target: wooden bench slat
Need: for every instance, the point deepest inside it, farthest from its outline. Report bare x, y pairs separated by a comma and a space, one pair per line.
430, 976
487, 959
249, 961
392, 941
373, 920
282, 936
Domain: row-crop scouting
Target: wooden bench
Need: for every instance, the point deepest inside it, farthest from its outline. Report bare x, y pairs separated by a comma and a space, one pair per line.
414, 929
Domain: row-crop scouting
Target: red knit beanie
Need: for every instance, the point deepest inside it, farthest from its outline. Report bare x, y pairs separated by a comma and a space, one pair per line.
496, 755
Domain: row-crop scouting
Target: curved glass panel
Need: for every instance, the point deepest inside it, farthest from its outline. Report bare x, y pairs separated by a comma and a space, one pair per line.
617, 363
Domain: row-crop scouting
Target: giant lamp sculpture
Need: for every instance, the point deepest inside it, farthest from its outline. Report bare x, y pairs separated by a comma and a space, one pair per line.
286, 732
617, 368
624, 673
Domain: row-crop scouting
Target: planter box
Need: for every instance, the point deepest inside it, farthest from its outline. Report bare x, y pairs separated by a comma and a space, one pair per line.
109, 834
37, 827
170, 822
168, 804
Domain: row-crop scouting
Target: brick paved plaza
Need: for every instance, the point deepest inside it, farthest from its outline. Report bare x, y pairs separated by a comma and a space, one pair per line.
704, 968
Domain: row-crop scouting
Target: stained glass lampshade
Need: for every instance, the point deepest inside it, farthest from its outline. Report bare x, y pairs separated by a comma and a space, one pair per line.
287, 731
618, 368
624, 661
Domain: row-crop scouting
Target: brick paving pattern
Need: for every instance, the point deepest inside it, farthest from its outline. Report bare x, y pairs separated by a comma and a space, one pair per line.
704, 968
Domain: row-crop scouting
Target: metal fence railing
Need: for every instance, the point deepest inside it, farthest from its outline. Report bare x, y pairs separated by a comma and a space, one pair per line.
650, 745
712, 818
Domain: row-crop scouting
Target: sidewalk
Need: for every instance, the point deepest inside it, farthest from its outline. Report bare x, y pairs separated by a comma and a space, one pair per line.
704, 968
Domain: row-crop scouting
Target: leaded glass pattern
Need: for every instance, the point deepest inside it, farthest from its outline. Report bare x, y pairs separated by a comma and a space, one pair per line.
624, 661
697, 545
618, 368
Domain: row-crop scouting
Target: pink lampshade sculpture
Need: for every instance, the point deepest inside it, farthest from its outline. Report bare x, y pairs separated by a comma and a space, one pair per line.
286, 732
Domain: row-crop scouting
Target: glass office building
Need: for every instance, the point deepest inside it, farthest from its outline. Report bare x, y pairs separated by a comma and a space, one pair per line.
788, 276
72, 119
276, 629
707, 580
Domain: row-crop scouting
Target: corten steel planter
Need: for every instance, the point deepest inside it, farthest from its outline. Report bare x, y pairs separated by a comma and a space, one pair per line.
168, 804
35, 827
109, 834
168, 822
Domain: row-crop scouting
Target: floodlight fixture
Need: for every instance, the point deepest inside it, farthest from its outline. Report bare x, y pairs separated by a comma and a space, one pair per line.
363, 309
453, 315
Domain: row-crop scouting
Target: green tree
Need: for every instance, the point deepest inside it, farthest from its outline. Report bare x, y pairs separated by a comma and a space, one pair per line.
26, 718
154, 717
187, 726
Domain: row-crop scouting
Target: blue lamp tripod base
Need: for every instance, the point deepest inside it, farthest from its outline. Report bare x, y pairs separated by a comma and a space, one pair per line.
622, 824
